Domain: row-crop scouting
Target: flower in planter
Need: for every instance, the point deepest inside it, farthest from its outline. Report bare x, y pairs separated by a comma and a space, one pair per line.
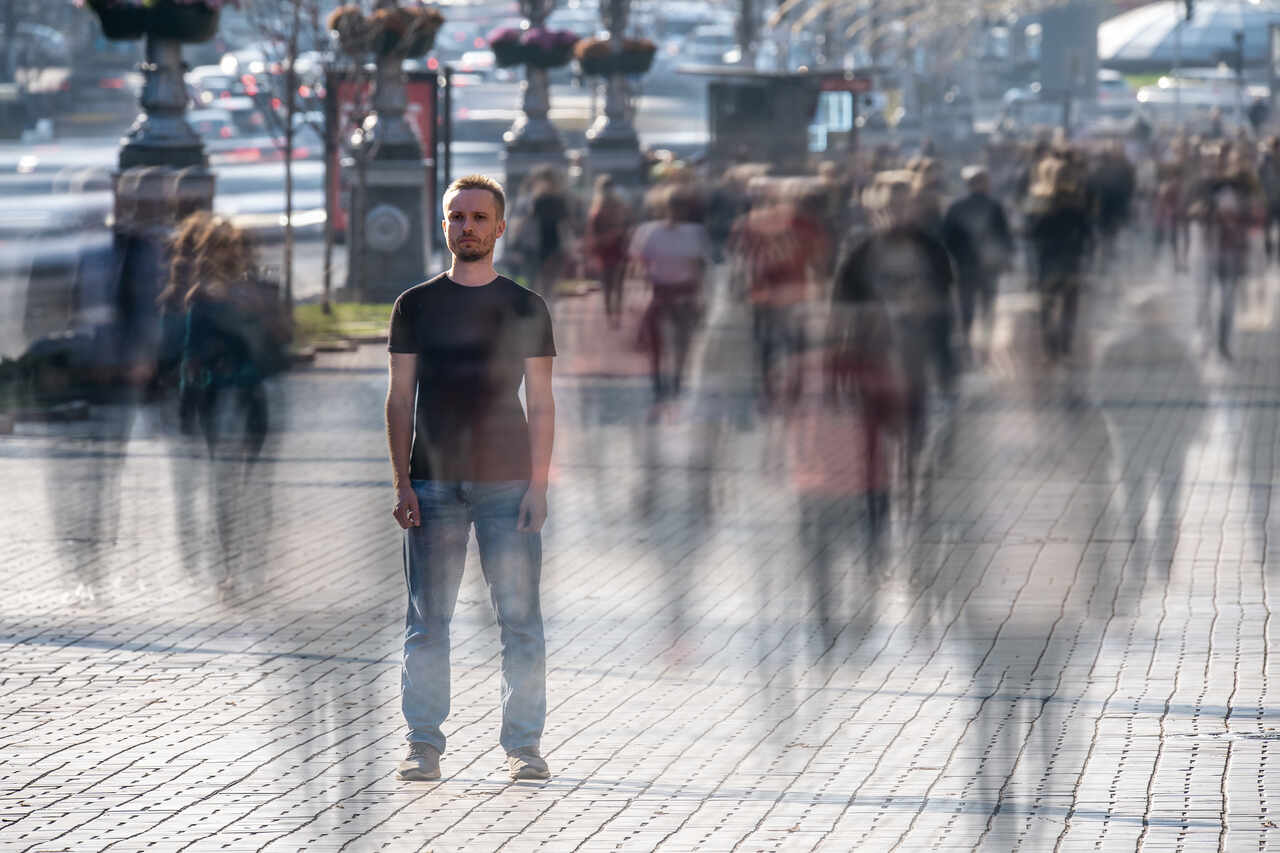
425, 24
596, 56
355, 35
504, 35
184, 20
537, 46
113, 5
405, 30
507, 49
120, 21
212, 4
548, 48
636, 56
391, 31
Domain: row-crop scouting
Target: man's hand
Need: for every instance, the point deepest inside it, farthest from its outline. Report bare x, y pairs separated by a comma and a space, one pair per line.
533, 510
406, 512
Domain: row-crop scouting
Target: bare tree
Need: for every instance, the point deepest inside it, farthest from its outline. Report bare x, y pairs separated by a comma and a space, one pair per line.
290, 29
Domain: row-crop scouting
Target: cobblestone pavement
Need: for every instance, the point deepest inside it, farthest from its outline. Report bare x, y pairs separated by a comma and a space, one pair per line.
1067, 648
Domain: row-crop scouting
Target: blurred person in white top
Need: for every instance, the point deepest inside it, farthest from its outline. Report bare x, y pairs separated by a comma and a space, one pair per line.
674, 255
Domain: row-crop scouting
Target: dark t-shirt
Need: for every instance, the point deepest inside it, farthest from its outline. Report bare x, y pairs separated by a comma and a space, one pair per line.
471, 343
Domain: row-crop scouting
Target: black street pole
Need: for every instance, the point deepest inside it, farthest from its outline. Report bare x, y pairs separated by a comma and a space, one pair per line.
1072, 73
447, 115
1238, 38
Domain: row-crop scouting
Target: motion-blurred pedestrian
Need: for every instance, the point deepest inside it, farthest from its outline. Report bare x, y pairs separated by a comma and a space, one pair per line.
1061, 235
777, 250
235, 335
608, 224
1112, 184
976, 232
550, 217
1269, 178
908, 270
1229, 207
674, 253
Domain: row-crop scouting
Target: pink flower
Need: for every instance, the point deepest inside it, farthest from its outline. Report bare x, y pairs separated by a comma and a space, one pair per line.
109, 4
549, 40
212, 4
503, 35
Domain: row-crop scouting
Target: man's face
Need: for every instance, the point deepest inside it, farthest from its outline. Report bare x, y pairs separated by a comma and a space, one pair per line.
471, 224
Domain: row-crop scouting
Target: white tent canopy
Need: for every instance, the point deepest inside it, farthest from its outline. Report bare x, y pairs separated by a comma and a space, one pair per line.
1144, 39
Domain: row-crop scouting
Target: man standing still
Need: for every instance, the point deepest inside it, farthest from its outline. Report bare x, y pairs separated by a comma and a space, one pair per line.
463, 455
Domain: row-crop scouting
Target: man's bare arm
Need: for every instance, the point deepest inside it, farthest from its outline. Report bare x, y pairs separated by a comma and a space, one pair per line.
542, 431
402, 388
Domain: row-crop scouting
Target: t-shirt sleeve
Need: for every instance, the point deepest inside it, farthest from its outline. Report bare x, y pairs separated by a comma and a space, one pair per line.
542, 341
400, 337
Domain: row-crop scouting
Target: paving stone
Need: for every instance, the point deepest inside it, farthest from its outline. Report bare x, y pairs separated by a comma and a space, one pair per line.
1050, 656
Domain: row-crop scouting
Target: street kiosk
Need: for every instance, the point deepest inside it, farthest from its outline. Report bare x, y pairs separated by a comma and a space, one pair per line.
779, 117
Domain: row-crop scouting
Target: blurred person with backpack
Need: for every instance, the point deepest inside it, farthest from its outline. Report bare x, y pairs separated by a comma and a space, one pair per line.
235, 335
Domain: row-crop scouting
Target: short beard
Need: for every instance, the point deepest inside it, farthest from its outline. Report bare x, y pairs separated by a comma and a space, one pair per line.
470, 256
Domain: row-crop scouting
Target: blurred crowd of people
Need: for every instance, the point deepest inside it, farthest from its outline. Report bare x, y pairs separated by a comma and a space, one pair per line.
867, 290
185, 358
870, 288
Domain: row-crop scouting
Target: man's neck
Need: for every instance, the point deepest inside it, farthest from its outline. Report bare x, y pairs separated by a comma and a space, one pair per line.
473, 273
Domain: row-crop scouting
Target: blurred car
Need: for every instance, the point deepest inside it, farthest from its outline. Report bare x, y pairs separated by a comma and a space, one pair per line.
209, 83
1022, 107
477, 62
223, 140
246, 114
708, 44
246, 60
583, 21
215, 126
40, 57
1116, 98
310, 67
106, 81
235, 136
308, 135
671, 22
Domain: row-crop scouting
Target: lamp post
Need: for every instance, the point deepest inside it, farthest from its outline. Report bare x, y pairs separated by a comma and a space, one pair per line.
1177, 71
1238, 62
612, 145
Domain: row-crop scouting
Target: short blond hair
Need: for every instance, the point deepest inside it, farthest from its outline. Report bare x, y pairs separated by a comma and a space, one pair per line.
479, 182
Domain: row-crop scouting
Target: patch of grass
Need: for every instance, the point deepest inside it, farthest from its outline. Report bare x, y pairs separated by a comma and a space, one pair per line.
348, 320
1137, 81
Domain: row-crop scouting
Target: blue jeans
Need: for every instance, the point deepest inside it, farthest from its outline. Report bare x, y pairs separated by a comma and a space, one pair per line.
434, 555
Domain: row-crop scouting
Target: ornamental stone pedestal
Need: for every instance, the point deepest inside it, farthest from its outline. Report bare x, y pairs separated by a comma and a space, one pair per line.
533, 140
163, 173
162, 177
613, 148
612, 145
385, 176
